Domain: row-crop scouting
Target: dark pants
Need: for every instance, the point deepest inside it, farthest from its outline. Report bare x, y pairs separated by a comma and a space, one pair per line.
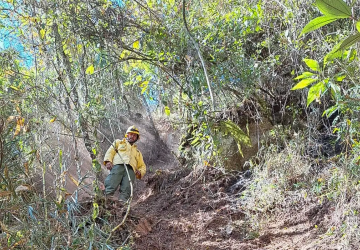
118, 176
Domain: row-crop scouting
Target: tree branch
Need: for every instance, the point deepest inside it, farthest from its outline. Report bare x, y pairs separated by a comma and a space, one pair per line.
200, 56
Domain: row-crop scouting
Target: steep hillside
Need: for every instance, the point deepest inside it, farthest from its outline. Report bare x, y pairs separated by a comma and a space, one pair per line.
248, 113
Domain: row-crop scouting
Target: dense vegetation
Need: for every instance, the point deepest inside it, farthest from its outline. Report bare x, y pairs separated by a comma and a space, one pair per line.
212, 68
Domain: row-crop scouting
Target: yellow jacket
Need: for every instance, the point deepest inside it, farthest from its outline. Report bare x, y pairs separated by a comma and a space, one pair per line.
125, 153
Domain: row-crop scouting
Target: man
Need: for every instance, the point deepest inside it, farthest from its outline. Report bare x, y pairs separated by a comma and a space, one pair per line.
124, 153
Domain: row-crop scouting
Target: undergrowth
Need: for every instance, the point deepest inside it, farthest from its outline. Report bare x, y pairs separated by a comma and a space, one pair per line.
288, 180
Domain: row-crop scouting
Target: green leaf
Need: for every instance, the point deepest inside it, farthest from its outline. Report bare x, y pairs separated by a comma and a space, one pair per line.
136, 45
312, 64
334, 7
237, 133
96, 166
95, 211
90, 70
330, 111
358, 26
350, 41
337, 51
167, 110
334, 53
304, 75
335, 90
304, 83
352, 55
340, 78
195, 140
42, 33
315, 92
317, 23
124, 54
144, 86
13, 87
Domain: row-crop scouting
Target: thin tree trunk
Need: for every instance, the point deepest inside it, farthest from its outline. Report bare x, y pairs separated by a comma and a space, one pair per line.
67, 64
157, 136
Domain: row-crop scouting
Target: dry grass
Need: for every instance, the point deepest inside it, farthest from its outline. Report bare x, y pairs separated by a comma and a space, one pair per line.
288, 180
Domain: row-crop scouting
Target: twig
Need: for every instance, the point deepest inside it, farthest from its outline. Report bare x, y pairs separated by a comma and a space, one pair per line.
125, 240
195, 181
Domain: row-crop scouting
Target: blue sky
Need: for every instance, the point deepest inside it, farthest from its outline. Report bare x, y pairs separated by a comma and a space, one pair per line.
11, 40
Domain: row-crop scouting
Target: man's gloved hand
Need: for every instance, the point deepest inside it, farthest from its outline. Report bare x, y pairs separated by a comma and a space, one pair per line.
138, 174
109, 165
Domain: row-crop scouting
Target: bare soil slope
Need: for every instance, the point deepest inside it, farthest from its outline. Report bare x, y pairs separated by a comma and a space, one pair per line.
182, 210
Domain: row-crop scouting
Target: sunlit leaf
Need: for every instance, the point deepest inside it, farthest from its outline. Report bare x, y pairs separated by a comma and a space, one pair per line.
317, 23
358, 26
167, 110
330, 111
17, 130
334, 7
352, 55
19, 123
304, 83
144, 86
79, 48
52, 120
312, 64
315, 92
90, 70
42, 33
136, 45
13, 87
124, 53
238, 134
195, 140
340, 78
304, 75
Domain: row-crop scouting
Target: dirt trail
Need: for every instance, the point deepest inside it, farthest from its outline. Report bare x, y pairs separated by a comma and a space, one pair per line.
177, 209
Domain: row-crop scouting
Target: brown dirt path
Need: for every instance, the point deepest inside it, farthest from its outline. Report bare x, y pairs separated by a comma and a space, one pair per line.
178, 210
